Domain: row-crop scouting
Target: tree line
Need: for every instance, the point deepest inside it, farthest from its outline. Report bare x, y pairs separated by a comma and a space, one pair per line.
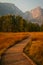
12, 23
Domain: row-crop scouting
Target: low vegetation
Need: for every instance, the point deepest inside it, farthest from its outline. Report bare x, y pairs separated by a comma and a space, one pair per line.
34, 49
9, 39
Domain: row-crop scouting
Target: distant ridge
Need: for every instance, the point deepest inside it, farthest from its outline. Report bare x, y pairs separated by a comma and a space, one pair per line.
9, 8
36, 14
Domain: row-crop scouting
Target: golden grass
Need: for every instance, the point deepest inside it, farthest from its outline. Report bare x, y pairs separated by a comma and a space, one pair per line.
35, 49
36, 52
8, 39
37, 35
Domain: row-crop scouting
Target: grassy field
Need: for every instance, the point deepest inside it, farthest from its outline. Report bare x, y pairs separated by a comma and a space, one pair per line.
34, 49
8, 39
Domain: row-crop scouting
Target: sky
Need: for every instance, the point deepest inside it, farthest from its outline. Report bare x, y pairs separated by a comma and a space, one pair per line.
25, 5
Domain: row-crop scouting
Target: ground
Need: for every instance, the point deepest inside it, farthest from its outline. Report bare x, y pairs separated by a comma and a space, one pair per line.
34, 49
8, 39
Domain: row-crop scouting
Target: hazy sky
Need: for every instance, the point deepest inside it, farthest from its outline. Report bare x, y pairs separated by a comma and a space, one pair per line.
25, 5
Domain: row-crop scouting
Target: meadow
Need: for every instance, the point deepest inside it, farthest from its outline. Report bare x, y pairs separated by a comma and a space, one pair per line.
34, 48
9, 39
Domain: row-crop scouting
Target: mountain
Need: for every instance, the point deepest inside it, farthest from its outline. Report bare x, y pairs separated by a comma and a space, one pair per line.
28, 15
8, 8
37, 12
36, 15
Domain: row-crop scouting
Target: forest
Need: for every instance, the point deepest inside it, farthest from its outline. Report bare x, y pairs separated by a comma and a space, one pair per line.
12, 23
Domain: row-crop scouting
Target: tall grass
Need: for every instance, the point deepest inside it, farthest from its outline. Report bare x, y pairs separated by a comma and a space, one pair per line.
34, 50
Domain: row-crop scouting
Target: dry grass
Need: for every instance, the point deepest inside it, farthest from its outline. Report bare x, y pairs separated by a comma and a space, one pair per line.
8, 39
37, 35
35, 49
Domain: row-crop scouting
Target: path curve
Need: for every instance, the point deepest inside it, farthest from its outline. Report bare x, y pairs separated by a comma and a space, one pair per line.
15, 55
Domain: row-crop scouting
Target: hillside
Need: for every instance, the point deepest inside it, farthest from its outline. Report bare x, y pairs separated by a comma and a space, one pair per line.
9, 8
36, 15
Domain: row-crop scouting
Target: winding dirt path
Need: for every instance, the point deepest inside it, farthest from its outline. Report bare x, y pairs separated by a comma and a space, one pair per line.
15, 55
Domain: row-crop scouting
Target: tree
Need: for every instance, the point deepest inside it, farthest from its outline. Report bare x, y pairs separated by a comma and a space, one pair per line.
41, 28
33, 27
19, 21
25, 27
12, 23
